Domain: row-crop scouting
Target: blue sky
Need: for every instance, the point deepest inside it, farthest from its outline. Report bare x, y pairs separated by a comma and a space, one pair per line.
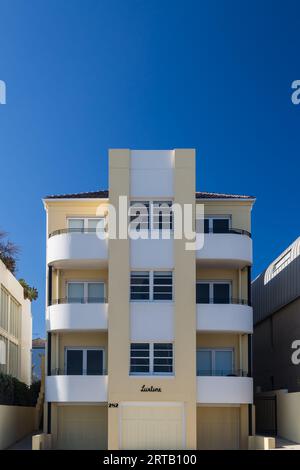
84, 76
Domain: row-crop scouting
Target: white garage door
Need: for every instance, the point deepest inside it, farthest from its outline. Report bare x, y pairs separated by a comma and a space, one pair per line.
82, 427
218, 428
152, 426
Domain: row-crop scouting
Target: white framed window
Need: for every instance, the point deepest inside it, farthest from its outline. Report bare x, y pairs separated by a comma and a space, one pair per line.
84, 361
215, 362
151, 286
151, 358
85, 292
151, 215
86, 224
213, 292
216, 224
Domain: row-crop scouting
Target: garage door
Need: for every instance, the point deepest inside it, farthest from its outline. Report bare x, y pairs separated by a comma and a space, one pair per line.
218, 428
152, 426
82, 427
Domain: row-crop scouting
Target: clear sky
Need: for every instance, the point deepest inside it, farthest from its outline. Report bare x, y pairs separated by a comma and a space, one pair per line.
83, 76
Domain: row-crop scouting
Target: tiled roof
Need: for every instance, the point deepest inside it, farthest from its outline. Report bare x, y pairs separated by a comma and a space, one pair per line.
205, 195
38, 343
103, 194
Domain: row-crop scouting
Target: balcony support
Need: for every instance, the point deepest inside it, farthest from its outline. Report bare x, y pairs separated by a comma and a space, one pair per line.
250, 353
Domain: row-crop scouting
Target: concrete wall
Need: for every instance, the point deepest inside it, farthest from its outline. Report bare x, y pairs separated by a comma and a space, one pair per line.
288, 413
15, 423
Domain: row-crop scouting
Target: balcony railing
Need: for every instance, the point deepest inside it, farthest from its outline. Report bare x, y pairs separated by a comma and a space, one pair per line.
77, 230
79, 300
227, 300
64, 371
235, 231
222, 373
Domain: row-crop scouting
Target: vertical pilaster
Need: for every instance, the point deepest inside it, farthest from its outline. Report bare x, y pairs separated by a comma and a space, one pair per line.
185, 295
119, 286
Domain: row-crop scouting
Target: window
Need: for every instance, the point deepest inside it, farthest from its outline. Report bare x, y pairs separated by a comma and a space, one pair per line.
86, 225
215, 362
162, 285
151, 215
10, 313
151, 358
215, 292
14, 318
84, 361
140, 285
151, 285
216, 224
4, 307
282, 262
86, 292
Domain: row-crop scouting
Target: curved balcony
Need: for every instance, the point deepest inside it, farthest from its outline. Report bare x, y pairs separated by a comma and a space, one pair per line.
69, 248
224, 390
76, 388
84, 316
232, 248
233, 317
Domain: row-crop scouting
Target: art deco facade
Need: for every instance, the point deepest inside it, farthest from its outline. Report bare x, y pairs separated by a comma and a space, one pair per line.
149, 344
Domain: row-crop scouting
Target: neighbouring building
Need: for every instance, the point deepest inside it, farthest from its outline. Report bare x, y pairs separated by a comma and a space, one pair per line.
148, 343
38, 351
276, 307
15, 328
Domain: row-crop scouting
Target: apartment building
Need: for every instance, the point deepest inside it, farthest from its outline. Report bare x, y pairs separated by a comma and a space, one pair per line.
15, 328
276, 307
148, 342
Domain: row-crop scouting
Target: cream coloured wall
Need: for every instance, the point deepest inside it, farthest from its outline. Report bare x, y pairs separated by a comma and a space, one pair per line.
240, 211
238, 280
16, 422
59, 211
217, 340
62, 340
59, 288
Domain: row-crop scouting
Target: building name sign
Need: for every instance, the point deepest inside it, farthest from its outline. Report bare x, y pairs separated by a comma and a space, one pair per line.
150, 389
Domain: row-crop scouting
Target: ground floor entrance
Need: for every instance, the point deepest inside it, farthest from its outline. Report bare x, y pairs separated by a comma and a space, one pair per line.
218, 427
81, 427
152, 426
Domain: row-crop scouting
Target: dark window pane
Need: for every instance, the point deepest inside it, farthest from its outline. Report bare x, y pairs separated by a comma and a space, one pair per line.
163, 346
220, 225
94, 362
139, 369
140, 346
221, 293
74, 362
202, 293
206, 225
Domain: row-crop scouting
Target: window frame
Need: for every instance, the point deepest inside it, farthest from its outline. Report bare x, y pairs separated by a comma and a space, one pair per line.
211, 289
212, 217
151, 359
84, 349
151, 285
213, 359
150, 203
86, 223
85, 288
